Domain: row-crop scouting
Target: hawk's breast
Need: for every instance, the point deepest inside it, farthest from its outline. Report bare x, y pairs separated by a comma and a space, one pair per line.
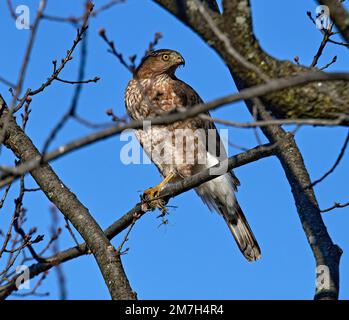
149, 97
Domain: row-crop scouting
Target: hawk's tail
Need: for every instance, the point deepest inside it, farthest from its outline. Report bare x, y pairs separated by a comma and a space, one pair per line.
243, 234
218, 194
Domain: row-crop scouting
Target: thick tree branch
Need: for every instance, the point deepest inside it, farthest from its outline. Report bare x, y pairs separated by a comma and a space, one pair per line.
108, 261
325, 252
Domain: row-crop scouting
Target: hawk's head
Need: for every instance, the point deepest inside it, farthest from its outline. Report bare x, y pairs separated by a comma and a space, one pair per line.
159, 62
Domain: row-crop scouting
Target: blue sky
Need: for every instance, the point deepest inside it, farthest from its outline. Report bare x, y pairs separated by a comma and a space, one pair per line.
194, 256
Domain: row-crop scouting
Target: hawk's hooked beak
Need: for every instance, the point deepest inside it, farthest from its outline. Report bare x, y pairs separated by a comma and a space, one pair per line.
179, 60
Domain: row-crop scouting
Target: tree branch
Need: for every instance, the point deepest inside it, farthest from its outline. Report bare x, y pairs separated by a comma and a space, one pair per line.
336, 206
326, 253
108, 261
126, 220
339, 15
338, 160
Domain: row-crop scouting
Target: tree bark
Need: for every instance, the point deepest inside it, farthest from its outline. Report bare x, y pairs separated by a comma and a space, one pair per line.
108, 260
327, 255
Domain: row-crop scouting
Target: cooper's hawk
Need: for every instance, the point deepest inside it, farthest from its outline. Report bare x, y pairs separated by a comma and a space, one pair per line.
182, 149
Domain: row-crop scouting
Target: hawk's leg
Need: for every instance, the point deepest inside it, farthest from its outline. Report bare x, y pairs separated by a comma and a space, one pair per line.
149, 196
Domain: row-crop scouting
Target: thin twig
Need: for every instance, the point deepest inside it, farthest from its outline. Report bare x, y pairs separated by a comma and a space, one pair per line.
335, 206
25, 63
338, 160
7, 83
90, 124
327, 34
334, 60
125, 239
277, 122
67, 58
7, 190
11, 9
72, 109
17, 224
67, 225
27, 54
113, 51
95, 79
153, 43
75, 20
34, 292
339, 43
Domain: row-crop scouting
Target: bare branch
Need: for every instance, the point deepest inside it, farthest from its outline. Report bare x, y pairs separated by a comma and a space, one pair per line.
75, 20
7, 83
3, 198
334, 60
95, 79
66, 59
113, 51
153, 43
257, 124
25, 62
77, 92
327, 34
333, 168
28, 51
67, 225
336, 206
108, 261
339, 15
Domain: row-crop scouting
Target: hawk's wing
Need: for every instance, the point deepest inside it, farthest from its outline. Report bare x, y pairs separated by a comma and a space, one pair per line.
187, 97
218, 193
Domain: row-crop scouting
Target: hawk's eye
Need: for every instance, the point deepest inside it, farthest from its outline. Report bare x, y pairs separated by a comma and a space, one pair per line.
165, 57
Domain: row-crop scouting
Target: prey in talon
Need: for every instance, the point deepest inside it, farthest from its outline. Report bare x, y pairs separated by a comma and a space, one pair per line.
151, 198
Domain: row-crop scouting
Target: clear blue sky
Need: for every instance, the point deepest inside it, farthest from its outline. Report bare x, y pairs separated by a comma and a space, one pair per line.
194, 256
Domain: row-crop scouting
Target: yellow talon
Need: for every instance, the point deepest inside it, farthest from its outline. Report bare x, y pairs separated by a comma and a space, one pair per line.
154, 192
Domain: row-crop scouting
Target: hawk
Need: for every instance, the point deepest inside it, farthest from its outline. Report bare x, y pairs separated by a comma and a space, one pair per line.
155, 90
